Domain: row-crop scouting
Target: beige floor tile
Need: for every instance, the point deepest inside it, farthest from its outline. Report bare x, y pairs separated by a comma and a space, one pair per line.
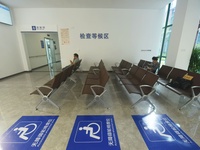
16, 101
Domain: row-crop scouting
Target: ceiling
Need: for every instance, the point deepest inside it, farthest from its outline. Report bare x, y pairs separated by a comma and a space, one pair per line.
116, 4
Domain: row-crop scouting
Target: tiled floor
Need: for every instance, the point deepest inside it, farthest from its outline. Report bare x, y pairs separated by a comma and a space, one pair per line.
16, 101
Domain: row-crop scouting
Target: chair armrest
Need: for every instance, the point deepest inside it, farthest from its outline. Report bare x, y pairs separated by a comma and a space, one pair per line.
123, 71
97, 86
95, 70
96, 64
117, 64
195, 87
40, 92
146, 86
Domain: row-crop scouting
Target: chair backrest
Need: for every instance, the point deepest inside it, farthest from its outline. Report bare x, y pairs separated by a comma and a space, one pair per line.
104, 78
70, 71
65, 67
133, 70
67, 72
164, 71
57, 80
128, 65
195, 81
101, 63
102, 70
146, 63
125, 64
64, 75
141, 63
150, 78
122, 64
176, 73
140, 73
196, 78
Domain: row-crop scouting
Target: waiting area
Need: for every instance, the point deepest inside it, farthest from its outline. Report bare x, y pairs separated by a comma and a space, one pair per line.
73, 100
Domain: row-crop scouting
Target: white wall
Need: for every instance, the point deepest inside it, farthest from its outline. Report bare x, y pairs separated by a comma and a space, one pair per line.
183, 35
10, 55
130, 31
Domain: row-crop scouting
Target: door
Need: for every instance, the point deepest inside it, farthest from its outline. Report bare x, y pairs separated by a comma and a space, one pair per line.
51, 59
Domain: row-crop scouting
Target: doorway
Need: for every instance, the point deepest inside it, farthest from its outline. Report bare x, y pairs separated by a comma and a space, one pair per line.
43, 52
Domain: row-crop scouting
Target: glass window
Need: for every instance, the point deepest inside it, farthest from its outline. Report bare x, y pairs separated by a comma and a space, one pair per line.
170, 11
166, 41
197, 42
194, 65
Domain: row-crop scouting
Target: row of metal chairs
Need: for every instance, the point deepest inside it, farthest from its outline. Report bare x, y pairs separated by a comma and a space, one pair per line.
122, 68
139, 81
168, 74
46, 90
95, 83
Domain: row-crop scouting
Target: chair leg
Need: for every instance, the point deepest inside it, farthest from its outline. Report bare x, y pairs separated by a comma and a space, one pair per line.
46, 99
144, 98
140, 100
39, 104
50, 101
72, 79
102, 101
181, 97
188, 102
153, 106
80, 69
198, 101
97, 98
92, 102
69, 88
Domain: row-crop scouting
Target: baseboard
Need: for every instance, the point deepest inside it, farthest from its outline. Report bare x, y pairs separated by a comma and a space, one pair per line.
14, 75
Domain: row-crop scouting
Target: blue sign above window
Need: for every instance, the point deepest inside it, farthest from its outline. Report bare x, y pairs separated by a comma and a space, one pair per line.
34, 28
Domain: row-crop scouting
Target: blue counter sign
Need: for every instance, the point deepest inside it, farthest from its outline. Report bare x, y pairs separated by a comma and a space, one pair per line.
160, 132
94, 132
29, 132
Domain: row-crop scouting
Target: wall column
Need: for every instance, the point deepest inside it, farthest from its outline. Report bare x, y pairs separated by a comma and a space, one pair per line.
186, 20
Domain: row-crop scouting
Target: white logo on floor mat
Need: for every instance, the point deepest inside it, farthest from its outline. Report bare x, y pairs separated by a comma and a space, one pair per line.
24, 131
89, 132
158, 128
90, 129
156, 132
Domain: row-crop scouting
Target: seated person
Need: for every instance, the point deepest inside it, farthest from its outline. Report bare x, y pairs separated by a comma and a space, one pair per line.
75, 60
154, 65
